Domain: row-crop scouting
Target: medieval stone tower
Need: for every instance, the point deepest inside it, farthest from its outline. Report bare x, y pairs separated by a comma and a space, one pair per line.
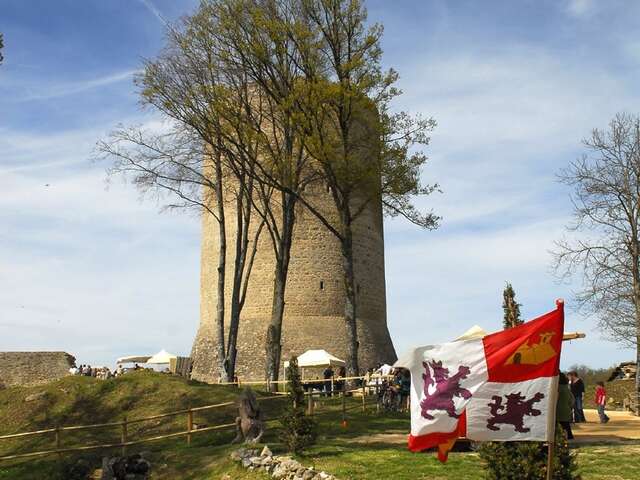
314, 294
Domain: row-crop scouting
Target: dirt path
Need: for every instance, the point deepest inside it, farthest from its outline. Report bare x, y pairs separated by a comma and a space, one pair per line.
622, 428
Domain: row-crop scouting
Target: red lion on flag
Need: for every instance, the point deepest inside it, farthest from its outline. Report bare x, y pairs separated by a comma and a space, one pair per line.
446, 388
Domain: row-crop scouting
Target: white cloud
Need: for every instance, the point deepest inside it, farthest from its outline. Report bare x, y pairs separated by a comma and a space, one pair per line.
580, 8
40, 92
87, 269
508, 119
148, 4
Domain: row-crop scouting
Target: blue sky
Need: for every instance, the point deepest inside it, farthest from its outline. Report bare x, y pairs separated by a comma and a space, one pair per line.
89, 267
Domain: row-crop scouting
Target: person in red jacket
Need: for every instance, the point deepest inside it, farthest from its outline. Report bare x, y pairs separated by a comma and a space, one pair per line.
601, 402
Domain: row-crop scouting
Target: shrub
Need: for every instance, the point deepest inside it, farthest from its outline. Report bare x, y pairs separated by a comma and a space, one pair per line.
528, 460
298, 430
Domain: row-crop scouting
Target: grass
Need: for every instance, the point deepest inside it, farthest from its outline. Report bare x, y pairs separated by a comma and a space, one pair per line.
370, 447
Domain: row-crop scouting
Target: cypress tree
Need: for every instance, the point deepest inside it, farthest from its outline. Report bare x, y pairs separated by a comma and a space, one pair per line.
525, 460
511, 308
298, 430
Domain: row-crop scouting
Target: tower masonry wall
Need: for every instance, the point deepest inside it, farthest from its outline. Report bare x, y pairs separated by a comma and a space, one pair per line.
314, 297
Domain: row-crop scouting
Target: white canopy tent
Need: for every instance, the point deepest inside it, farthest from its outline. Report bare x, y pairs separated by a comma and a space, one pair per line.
134, 359
317, 358
161, 357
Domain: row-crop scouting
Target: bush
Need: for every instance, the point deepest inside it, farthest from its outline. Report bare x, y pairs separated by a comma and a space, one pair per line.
528, 460
298, 430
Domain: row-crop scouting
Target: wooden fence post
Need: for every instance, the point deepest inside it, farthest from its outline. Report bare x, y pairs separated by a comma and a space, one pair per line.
364, 398
58, 441
344, 404
310, 403
189, 425
123, 436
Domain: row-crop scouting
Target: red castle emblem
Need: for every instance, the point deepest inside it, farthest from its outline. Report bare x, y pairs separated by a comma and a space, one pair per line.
446, 388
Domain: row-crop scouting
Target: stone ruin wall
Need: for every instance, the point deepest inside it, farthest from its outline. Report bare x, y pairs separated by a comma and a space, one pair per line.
314, 298
33, 368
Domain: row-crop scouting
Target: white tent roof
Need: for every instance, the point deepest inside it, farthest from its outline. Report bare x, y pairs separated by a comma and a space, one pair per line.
134, 359
409, 358
162, 357
317, 358
474, 332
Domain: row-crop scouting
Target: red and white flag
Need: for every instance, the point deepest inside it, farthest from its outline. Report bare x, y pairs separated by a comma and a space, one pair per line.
501, 387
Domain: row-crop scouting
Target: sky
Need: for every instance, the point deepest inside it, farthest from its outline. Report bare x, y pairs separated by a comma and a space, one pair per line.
90, 267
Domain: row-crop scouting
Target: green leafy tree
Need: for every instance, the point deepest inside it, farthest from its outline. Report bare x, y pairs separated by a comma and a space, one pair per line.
525, 460
1, 47
363, 152
298, 429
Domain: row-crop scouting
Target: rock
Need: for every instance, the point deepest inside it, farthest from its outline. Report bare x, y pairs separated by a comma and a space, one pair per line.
35, 396
278, 467
308, 475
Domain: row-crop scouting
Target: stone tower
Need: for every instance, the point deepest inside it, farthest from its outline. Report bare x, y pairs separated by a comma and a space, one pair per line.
314, 297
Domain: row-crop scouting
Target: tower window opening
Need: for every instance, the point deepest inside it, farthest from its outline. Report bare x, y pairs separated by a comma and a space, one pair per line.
321, 285
358, 288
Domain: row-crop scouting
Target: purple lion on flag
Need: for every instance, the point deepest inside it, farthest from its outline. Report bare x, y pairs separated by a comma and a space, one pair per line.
446, 389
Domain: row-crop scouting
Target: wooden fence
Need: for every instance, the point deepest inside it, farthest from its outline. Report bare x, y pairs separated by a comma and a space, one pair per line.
630, 403
124, 425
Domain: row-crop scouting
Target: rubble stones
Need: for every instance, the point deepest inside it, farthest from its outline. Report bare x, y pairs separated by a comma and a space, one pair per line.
133, 467
279, 467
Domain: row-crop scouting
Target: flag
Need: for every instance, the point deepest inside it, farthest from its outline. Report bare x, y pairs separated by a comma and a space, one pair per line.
500, 387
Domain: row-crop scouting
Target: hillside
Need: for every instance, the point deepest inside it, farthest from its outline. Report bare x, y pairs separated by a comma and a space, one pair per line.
84, 400
372, 446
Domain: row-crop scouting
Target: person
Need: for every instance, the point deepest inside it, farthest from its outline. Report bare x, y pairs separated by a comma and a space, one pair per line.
327, 375
73, 370
577, 390
339, 385
565, 405
601, 402
405, 390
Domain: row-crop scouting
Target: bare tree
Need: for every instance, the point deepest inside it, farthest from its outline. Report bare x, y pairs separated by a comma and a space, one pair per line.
605, 250
206, 160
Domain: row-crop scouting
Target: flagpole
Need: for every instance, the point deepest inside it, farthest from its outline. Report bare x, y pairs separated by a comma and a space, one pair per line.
553, 402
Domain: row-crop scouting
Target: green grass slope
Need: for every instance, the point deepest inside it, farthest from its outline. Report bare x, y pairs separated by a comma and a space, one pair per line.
370, 447
84, 401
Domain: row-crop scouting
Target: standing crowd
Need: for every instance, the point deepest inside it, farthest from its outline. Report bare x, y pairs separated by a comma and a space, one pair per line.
101, 373
570, 407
